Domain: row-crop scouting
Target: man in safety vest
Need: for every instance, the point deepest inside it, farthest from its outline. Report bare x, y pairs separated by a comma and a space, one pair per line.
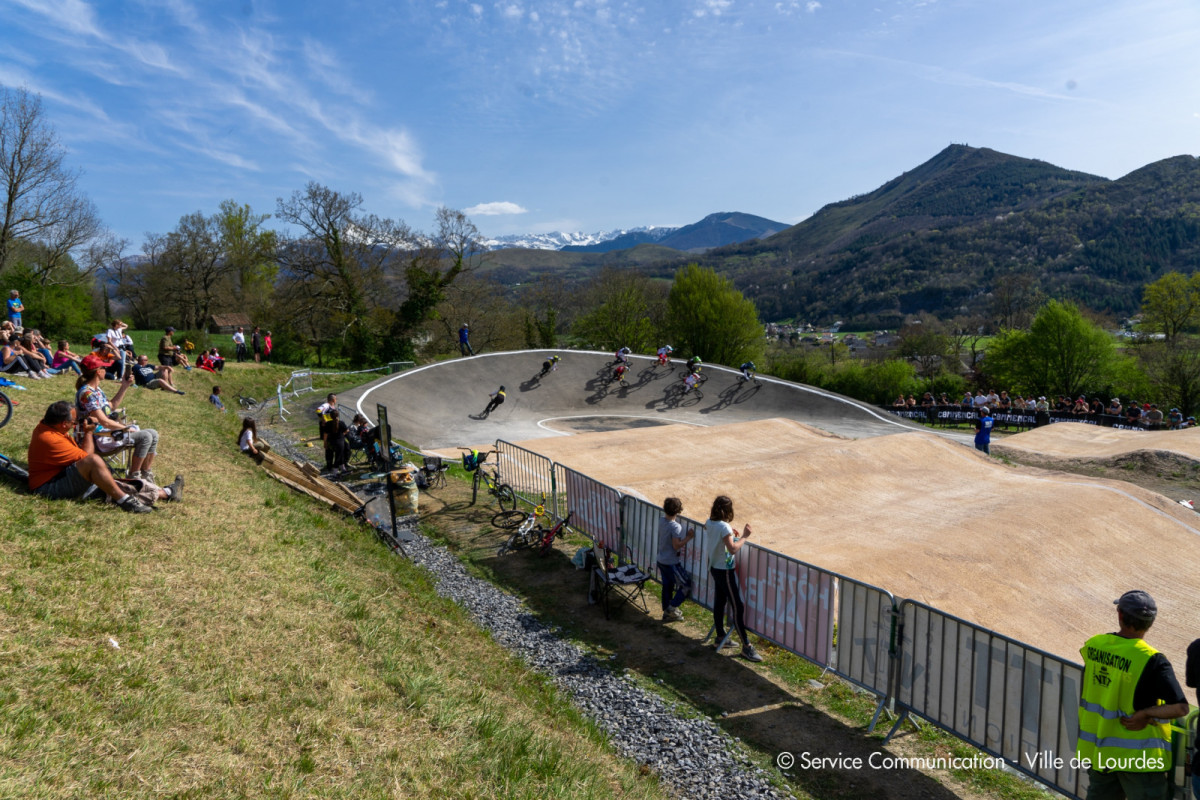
1129, 692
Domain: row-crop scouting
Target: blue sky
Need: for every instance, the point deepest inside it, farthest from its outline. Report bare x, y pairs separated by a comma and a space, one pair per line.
587, 114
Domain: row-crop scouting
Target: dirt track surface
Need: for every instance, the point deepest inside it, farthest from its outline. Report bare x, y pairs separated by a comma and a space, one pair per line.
1033, 554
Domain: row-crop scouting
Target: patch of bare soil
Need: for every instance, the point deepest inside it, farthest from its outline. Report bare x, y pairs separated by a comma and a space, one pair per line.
1168, 473
749, 701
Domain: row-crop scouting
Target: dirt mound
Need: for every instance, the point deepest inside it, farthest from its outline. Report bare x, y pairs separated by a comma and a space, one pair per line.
1034, 554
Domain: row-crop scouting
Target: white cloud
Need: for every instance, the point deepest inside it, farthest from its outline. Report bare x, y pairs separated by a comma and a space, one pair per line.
494, 209
811, 6
512, 11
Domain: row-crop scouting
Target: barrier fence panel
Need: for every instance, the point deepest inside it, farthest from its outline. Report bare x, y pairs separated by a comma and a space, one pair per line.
530, 474
866, 621
788, 602
640, 523
301, 382
1006, 698
595, 508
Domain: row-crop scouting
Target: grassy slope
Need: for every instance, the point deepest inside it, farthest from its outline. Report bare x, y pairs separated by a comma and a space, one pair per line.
267, 647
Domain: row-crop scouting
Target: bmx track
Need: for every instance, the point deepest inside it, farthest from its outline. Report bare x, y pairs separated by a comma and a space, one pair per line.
1034, 554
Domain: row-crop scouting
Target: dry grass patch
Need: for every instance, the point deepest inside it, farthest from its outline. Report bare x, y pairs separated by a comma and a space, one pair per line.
265, 646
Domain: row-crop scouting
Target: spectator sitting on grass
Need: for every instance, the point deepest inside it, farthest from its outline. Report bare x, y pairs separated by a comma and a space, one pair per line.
11, 360
148, 377
60, 469
215, 398
64, 359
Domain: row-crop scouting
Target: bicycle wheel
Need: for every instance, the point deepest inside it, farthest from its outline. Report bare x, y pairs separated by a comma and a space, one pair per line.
508, 545
506, 497
509, 519
437, 480
548, 537
531, 534
5, 409
701, 378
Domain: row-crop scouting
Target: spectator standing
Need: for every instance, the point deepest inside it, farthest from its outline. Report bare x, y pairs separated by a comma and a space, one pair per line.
256, 344
1114, 407
268, 346
337, 453
1129, 692
676, 583
983, 431
1175, 422
464, 340
60, 469
1154, 419
115, 335
168, 351
15, 309
239, 342
722, 560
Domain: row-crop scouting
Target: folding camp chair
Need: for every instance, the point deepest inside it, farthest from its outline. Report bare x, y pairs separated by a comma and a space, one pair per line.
627, 581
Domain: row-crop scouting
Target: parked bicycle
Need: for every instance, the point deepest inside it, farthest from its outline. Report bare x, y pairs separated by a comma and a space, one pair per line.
473, 461
549, 535
526, 532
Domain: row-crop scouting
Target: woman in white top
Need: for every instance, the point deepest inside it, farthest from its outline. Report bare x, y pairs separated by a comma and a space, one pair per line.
722, 559
116, 337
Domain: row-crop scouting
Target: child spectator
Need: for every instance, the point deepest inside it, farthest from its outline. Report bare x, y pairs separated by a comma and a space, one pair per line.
267, 347
215, 398
248, 440
64, 359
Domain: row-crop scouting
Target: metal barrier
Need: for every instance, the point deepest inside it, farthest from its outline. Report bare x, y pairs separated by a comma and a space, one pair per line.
595, 508
530, 474
866, 645
299, 382
1005, 698
788, 602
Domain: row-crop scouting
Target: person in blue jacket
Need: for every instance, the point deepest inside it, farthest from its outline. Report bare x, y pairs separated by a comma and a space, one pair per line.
983, 431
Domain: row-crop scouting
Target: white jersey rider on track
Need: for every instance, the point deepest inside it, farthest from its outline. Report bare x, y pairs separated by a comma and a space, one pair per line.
691, 381
622, 355
664, 354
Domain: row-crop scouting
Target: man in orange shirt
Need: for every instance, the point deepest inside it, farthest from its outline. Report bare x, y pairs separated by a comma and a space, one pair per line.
60, 469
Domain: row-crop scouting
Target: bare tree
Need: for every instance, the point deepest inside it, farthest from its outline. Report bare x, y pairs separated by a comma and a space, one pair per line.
41, 202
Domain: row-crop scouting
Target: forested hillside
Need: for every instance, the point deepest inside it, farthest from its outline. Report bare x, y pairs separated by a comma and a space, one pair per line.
941, 238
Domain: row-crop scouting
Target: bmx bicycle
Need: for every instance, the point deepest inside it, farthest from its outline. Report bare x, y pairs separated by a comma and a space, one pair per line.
488, 479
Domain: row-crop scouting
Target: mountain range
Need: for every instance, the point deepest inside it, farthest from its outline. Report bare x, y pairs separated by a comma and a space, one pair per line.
951, 237
712, 231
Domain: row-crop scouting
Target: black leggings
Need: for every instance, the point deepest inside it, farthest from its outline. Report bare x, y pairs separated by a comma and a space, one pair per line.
725, 585
16, 365
337, 452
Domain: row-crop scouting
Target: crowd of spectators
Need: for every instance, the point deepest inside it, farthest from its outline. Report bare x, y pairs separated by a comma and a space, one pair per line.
1134, 414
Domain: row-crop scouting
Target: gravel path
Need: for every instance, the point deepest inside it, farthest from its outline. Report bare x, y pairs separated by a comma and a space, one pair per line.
691, 755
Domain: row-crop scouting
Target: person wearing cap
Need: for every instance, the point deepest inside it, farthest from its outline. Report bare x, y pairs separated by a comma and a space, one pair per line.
1129, 692
1114, 407
168, 351
497, 397
1175, 419
464, 340
983, 431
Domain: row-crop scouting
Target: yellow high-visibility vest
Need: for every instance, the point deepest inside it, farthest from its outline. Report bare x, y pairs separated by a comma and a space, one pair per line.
1112, 667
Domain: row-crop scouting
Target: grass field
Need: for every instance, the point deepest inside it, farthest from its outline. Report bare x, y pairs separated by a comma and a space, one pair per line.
250, 643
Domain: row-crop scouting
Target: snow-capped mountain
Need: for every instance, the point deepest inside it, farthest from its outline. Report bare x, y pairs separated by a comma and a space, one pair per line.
558, 240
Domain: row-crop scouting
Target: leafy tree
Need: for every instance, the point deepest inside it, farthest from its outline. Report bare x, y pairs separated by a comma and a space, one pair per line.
249, 251
926, 344
456, 248
335, 270
709, 318
1171, 305
1061, 353
626, 309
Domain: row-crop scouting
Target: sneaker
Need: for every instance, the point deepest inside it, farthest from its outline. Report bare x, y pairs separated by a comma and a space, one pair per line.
134, 506
176, 490
147, 476
729, 643
672, 615
180, 391
750, 654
